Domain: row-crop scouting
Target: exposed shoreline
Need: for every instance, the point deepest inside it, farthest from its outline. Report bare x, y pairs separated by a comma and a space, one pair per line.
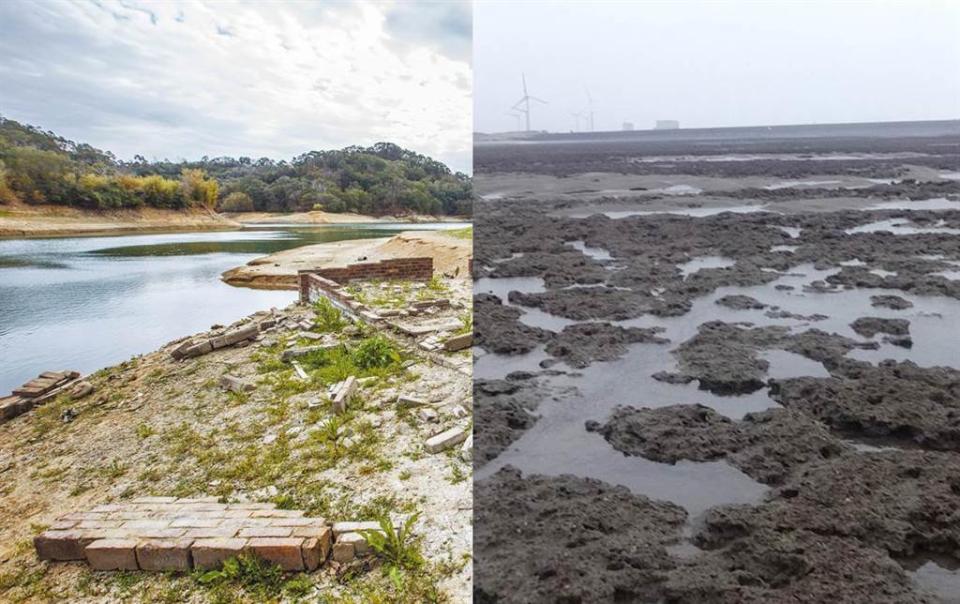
22, 221
279, 271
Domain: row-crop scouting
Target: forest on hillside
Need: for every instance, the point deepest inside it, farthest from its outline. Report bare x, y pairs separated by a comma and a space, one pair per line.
39, 167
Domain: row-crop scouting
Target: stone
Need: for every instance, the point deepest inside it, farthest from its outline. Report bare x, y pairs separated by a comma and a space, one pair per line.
61, 545
112, 554
343, 552
427, 414
309, 335
198, 349
316, 550
405, 400
80, 390
460, 342
343, 394
445, 440
298, 369
210, 553
233, 383
235, 336
285, 552
342, 528
466, 449
299, 351
360, 545
266, 531
164, 555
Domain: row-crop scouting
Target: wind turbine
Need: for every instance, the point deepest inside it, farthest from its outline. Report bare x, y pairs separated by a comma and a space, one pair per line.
523, 105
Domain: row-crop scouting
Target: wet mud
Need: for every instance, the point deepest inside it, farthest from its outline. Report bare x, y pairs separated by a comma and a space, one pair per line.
775, 387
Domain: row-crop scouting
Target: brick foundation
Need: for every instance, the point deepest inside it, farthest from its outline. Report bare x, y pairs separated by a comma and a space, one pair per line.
407, 269
170, 534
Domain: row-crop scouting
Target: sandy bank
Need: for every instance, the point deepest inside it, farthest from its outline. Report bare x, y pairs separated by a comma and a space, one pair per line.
279, 271
329, 218
49, 221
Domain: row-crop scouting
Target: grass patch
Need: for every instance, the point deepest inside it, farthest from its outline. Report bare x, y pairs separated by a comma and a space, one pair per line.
464, 233
328, 317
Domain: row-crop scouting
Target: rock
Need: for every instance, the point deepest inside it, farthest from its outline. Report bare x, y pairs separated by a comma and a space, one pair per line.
80, 390
341, 398
668, 377
459, 342
297, 352
428, 415
890, 301
740, 302
68, 416
466, 449
871, 326
445, 440
233, 383
405, 400
298, 370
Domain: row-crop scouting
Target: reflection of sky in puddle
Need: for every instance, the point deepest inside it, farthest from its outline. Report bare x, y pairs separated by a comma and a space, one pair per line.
793, 232
502, 287
937, 575
692, 212
702, 262
597, 253
901, 226
940, 203
559, 444
789, 184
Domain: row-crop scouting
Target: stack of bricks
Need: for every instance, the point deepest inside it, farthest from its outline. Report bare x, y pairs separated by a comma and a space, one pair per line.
35, 392
170, 534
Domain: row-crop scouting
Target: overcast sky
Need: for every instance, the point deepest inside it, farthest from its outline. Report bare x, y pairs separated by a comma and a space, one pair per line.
193, 78
715, 63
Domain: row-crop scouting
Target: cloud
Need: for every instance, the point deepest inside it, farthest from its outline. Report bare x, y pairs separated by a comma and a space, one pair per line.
193, 78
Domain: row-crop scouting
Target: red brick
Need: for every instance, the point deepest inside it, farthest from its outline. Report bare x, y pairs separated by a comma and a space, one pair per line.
164, 554
210, 553
194, 522
266, 531
276, 513
112, 554
220, 532
61, 545
317, 549
282, 551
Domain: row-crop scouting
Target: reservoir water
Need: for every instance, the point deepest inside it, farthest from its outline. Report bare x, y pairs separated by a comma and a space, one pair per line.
85, 303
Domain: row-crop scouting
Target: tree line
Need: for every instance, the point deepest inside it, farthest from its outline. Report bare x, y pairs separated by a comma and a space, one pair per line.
39, 167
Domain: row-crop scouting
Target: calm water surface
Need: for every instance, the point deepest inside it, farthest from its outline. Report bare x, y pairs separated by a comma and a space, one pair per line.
89, 302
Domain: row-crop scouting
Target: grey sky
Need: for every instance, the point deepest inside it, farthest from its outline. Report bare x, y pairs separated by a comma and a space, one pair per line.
197, 77
714, 63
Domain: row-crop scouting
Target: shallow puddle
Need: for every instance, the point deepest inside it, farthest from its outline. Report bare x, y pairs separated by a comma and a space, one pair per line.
790, 184
559, 444
502, 287
937, 204
702, 262
900, 226
597, 253
936, 575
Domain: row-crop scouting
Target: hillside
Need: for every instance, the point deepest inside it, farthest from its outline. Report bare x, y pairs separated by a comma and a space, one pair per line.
40, 167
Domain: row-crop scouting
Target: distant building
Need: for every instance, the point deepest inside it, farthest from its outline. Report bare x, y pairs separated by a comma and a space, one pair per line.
628, 125
667, 124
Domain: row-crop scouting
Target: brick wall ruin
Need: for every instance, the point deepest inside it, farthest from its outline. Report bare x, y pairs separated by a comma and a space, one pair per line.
408, 269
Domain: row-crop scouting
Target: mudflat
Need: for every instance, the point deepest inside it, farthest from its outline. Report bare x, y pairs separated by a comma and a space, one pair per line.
719, 373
